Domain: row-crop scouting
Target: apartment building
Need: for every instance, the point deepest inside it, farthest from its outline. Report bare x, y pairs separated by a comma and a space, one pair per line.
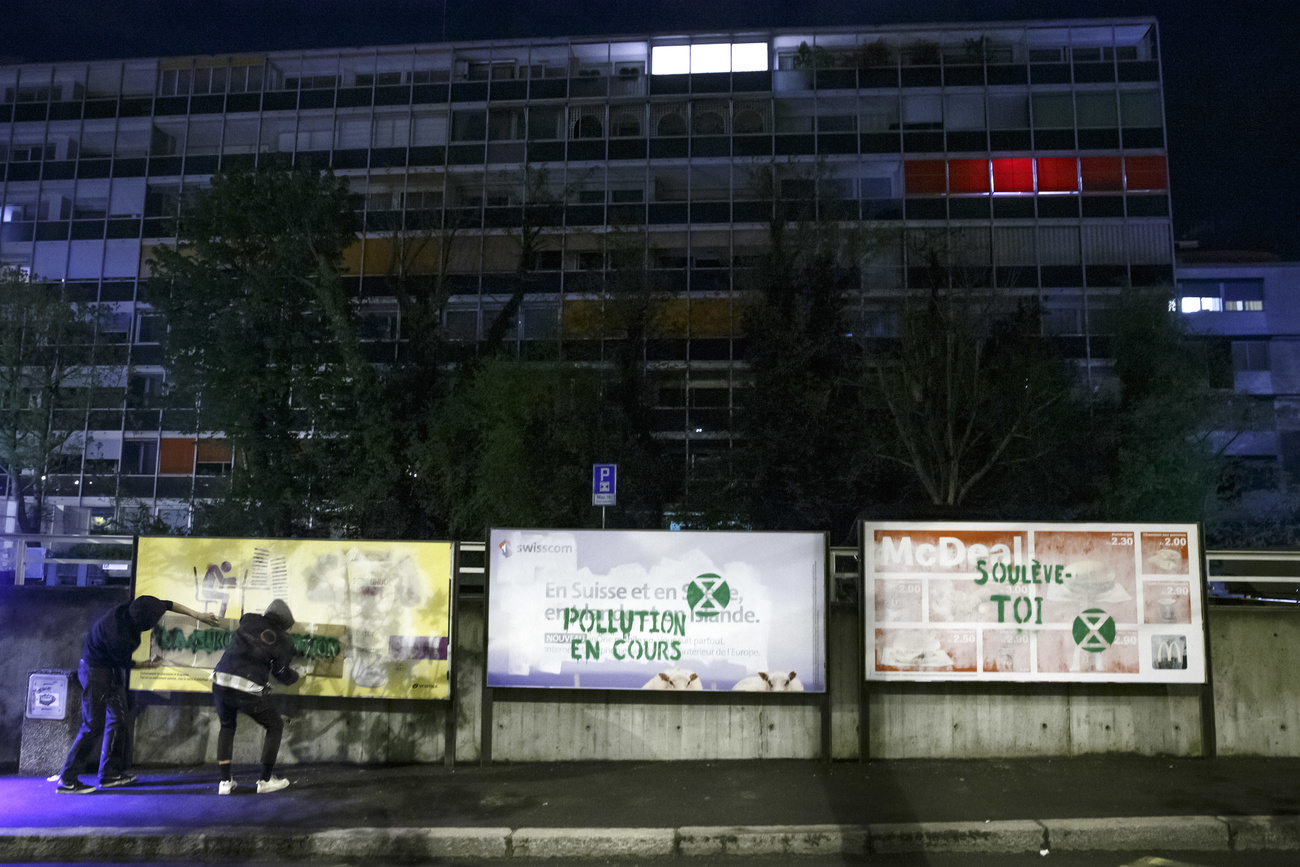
1253, 302
1037, 148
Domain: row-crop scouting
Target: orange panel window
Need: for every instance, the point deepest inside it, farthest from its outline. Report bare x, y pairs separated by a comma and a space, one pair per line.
968, 176
213, 452
1013, 175
1058, 175
1101, 173
176, 456
924, 176
1146, 173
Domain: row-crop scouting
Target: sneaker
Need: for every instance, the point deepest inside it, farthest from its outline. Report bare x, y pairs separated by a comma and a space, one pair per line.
76, 787
124, 780
274, 784
226, 787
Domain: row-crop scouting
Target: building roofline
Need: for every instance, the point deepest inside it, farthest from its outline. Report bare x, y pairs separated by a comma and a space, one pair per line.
768, 32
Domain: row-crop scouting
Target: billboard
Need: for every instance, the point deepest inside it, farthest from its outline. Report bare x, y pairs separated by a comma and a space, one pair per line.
372, 619
1033, 602
657, 610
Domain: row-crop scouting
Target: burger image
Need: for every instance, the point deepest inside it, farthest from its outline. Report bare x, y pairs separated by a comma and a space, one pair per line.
1089, 577
915, 650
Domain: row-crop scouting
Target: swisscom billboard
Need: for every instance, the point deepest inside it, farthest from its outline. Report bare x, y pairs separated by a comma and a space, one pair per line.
657, 610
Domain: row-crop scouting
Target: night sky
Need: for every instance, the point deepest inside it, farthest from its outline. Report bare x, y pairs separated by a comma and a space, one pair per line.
1231, 69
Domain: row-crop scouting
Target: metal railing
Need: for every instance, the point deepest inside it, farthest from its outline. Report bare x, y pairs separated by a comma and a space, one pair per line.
66, 561
90, 561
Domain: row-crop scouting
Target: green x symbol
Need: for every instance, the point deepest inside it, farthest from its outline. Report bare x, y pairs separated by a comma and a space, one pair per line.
1094, 630
708, 594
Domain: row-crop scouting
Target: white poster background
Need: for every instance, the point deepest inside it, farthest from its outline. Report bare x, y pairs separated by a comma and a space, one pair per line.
613, 610
1117, 603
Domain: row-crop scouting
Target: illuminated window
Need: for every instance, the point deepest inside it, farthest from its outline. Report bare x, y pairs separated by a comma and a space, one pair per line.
708, 57
968, 176
1146, 173
1013, 175
1196, 304
1229, 296
924, 176
1058, 175
1101, 173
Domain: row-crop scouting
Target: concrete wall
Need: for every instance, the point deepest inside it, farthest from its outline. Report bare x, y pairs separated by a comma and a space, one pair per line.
1255, 686
41, 627
1256, 679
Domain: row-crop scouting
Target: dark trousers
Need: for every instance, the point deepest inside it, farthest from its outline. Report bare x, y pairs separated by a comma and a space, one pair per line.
232, 702
103, 723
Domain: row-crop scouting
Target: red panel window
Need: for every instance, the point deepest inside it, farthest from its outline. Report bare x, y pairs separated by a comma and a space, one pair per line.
968, 176
924, 176
1013, 175
1058, 175
1146, 173
1101, 173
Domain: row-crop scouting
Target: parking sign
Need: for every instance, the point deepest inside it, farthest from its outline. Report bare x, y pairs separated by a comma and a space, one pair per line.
604, 484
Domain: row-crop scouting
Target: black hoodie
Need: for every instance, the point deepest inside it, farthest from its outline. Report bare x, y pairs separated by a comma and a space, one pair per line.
113, 639
262, 647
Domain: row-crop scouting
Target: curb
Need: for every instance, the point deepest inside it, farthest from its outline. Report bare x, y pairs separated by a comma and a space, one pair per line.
1160, 833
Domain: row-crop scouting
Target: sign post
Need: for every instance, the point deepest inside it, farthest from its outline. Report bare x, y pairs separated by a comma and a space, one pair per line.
604, 487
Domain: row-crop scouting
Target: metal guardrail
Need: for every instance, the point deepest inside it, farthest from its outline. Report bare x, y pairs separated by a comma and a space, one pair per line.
65, 560
68, 560
1253, 567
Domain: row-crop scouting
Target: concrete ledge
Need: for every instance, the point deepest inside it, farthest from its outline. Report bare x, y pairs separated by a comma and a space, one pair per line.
1169, 833
592, 843
1263, 833
772, 840
991, 837
410, 844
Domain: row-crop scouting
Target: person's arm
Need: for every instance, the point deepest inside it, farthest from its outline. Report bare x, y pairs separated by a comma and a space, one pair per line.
205, 617
281, 663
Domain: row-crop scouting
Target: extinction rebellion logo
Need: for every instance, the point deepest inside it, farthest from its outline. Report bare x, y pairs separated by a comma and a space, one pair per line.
1094, 630
708, 595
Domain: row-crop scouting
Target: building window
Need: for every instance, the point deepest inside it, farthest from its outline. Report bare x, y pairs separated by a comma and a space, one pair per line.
710, 57
1212, 296
1250, 355
139, 457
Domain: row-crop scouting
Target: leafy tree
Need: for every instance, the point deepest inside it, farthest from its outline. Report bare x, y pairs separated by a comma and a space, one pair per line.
513, 445
1170, 421
800, 463
261, 330
46, 378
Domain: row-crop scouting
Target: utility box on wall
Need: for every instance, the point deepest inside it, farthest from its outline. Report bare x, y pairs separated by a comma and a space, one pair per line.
50, 722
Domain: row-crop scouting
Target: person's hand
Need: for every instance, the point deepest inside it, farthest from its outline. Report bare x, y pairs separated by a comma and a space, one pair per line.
148, 663
209, 618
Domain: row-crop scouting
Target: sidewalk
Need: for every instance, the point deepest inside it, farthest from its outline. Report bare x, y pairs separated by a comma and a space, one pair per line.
666, 809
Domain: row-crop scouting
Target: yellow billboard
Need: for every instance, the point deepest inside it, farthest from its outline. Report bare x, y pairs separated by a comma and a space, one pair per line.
372, 619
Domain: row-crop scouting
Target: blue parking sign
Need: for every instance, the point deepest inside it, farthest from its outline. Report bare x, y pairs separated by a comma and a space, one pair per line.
604, 484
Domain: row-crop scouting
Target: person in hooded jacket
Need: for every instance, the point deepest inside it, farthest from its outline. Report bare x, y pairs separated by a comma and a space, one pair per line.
103, 671
261, 648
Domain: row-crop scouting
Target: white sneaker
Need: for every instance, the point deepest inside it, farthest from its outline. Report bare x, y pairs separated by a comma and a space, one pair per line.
274, 784
226, 787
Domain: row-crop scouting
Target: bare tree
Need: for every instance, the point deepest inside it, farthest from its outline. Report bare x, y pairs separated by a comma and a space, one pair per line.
966, 384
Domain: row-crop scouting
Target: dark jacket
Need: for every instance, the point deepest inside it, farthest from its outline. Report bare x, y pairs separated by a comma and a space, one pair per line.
115, 636
262, 647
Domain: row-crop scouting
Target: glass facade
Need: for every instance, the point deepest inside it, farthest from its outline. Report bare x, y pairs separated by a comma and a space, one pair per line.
1039, 145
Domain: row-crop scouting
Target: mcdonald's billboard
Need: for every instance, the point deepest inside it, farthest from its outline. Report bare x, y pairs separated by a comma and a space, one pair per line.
1033, 602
